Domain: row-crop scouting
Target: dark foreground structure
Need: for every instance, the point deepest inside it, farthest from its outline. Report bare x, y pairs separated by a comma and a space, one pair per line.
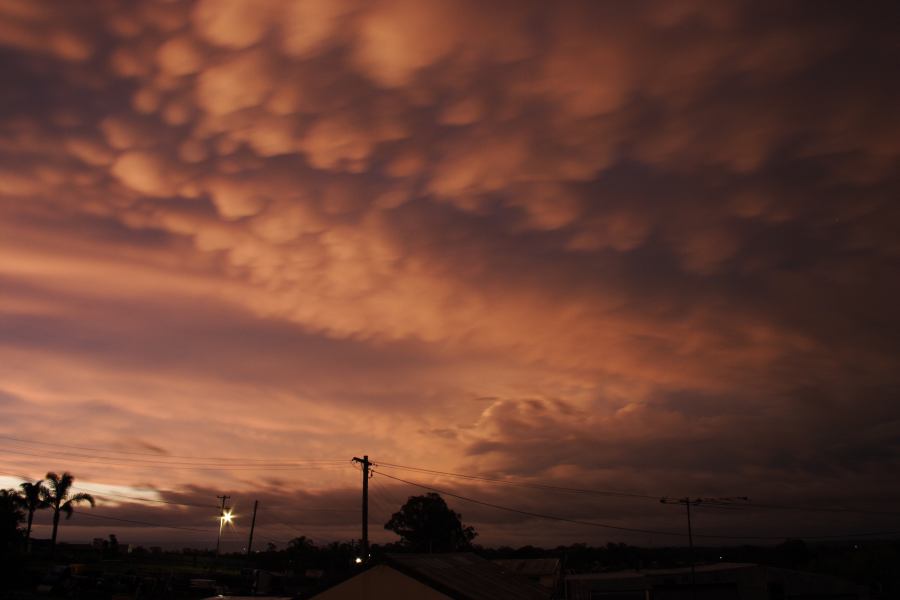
723, 581
458, 576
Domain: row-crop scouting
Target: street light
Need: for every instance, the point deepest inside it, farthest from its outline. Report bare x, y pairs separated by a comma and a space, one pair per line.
225, 518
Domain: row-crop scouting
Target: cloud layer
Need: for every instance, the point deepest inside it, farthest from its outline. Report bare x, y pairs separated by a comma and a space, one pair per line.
646, 247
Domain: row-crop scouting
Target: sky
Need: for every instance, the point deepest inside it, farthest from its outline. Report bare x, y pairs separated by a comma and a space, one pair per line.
648, 247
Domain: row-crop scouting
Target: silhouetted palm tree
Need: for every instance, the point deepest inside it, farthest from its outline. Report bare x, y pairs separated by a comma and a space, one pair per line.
34, 497
11, 514
59, 499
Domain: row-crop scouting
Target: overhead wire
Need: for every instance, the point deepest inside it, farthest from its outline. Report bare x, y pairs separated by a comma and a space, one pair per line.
101, 494
393, 499
599, 492
378, 501
109, 461
157, 455
324, 464
524, 512
628, 529
167, 463
519, 483
24, 478
748, 506
94, 515
826, 509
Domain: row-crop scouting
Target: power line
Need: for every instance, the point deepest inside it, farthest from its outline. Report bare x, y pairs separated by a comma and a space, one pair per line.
341, 463
102, 494
519, 483
386, 492
180, 466
748, 506
140, 499
836, 509
630, 529
141, 461
525, 512
155, 455
539, 486
94, 515
16, 475
377, 498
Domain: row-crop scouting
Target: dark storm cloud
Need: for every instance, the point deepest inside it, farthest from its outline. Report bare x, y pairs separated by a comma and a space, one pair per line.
648, 246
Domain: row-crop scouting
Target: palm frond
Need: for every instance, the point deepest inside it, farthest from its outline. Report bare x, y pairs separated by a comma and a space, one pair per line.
35, 494
59, 486
53, 481
65, 482
83, 497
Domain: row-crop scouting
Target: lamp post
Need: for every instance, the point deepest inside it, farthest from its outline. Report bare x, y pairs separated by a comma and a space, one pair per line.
225, 516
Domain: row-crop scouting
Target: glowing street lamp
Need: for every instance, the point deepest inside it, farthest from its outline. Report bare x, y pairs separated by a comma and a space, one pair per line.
226, 518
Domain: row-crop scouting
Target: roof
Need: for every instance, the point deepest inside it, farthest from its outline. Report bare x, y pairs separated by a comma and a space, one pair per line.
378, 581
629, 574
795, 583
466, 576
529, 567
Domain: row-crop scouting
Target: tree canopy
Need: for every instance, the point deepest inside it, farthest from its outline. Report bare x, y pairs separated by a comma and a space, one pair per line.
60, 501
34, 498
11, 516
427, 524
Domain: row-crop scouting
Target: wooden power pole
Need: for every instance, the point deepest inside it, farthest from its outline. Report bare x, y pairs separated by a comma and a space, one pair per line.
687, 502
252, 526
364, 461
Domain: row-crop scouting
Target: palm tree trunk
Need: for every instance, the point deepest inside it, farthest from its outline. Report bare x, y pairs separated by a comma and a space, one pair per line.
55, 527
28, 531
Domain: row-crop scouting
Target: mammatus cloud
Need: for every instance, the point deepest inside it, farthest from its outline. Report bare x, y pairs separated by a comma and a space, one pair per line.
650, 247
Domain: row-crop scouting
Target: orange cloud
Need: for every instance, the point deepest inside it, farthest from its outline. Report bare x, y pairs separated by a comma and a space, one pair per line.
455, 235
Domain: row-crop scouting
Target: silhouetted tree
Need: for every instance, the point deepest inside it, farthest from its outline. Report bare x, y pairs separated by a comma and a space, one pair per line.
109, 547
426, 524
304, 549
59, 500
34, 498
11, 515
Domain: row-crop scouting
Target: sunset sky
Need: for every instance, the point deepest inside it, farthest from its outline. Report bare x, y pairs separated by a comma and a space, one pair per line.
641, 246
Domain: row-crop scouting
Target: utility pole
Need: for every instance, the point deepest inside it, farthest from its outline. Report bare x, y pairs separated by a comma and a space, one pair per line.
221, 522
252, 526
687, 502
364, 461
